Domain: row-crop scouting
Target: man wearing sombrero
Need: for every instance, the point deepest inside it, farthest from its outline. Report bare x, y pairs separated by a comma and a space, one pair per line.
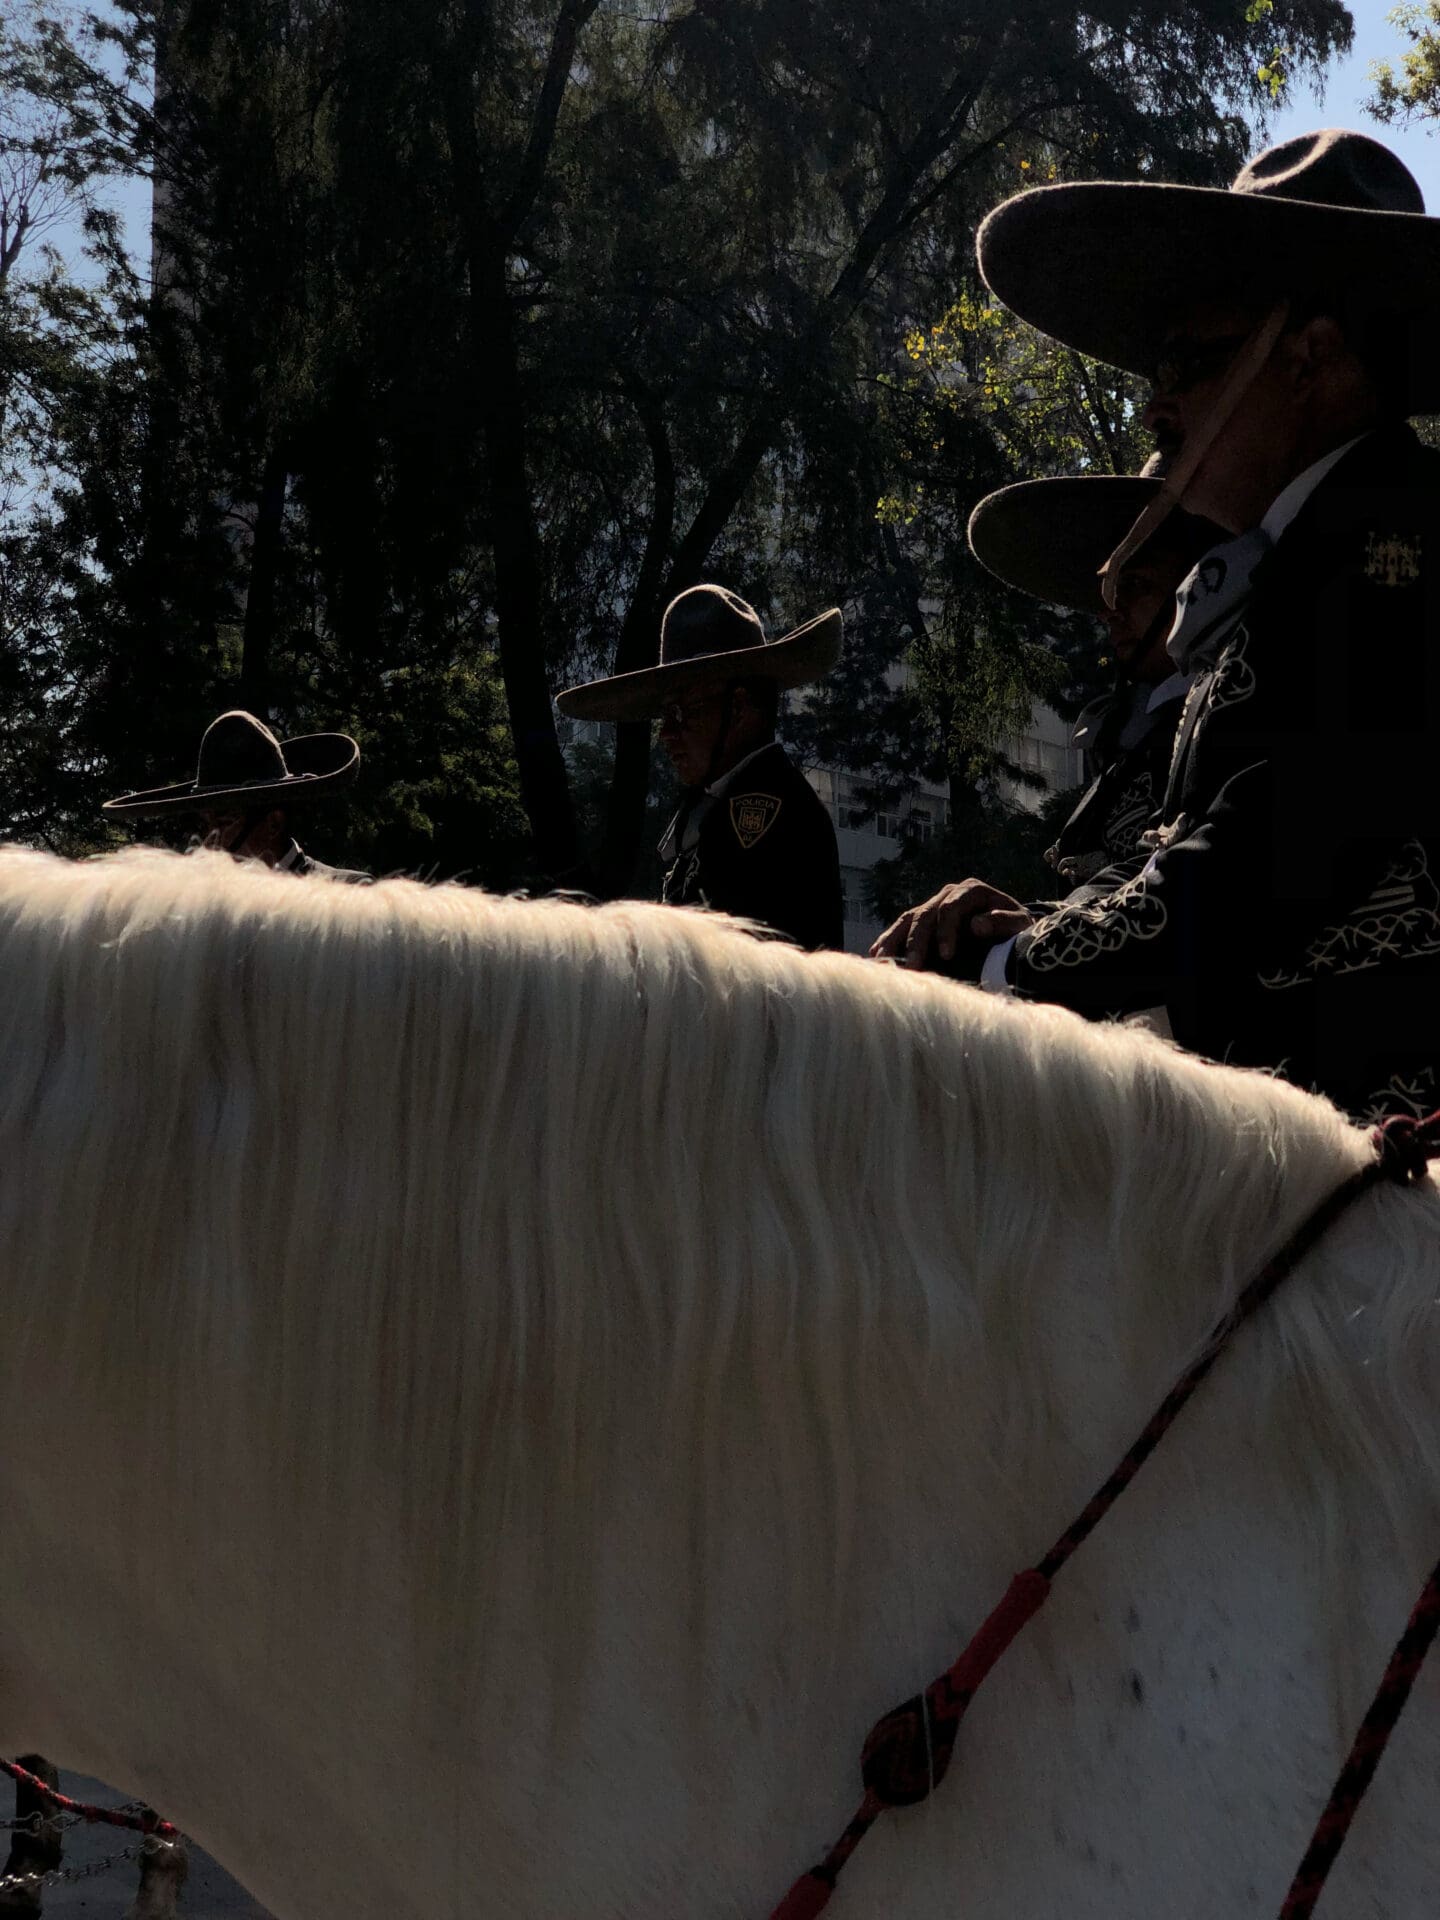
246, 788
1050, 538
1289, 916
751, 838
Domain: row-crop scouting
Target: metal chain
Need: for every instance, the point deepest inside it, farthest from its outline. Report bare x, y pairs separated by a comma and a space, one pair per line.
55, 1875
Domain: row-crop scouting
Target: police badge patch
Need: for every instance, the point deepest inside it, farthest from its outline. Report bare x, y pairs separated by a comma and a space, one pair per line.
752, 815
1392, 559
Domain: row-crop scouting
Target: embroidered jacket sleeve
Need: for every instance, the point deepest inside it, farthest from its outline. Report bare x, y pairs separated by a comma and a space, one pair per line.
1304, 771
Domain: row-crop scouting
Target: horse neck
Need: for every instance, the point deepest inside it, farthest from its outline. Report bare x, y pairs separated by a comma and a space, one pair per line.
685, 1328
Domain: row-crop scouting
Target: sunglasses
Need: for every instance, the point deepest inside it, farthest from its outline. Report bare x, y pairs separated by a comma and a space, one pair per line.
679, 718
1183, 364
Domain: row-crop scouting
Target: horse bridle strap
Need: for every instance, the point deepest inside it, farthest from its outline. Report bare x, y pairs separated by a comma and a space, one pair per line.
907, 1752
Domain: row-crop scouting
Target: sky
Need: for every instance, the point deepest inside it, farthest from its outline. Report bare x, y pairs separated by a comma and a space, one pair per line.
1348, 85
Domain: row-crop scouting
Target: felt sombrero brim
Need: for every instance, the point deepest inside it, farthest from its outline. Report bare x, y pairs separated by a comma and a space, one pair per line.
1106, 266
802, 656
1050, 538
318, 762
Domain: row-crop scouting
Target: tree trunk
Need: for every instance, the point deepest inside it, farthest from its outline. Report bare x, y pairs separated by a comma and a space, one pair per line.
639, 647
265, 551
888, 220
519, 581
489, 233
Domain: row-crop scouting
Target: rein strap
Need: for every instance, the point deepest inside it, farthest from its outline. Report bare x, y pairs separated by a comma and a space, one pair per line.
907, 1752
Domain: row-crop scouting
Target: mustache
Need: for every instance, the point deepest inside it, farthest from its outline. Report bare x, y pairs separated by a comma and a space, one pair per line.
1167, 448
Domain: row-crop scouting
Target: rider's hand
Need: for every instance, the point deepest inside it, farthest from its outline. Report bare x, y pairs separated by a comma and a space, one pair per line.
930, 935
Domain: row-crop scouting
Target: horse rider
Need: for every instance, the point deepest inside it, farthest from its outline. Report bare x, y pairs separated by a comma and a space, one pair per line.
1289, 914
246, 788
751, 837
1050, 538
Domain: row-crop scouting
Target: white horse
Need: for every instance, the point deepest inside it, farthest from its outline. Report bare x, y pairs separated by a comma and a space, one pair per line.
498, 1397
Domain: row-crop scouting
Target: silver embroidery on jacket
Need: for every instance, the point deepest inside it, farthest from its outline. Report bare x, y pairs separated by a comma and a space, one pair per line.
1078, 934
1127, 817
1120, 836
1399, 921
1233, 680
1229, 684
1414, 1094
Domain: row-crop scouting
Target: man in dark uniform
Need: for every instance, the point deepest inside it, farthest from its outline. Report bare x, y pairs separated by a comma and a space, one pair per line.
1289, 915
751, 838
246, 787
1050, 538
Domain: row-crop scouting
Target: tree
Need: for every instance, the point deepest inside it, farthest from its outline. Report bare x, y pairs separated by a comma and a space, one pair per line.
1412, 91
486, 327
693, 249
980, 400
61, 344
215, 522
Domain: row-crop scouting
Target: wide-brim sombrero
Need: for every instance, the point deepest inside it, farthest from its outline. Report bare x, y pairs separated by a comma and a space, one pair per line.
806, 653
1050, 538
1105, 266
316, 763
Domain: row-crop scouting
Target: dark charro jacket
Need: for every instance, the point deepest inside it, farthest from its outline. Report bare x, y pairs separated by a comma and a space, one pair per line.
1128, 750
764, 849
1291, 916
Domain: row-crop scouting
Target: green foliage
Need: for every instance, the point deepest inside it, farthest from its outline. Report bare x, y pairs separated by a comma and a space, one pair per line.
981, 400
244, 498
1049, 409
1411, 91
482, 330
1273, 71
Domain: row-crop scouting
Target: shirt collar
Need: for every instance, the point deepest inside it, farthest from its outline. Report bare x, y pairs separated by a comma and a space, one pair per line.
1284, 507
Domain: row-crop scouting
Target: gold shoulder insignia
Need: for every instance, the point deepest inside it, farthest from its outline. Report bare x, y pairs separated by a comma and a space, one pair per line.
752, 815
1392, 559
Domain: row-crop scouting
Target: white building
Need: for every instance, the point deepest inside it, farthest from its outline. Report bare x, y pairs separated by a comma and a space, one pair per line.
864, 839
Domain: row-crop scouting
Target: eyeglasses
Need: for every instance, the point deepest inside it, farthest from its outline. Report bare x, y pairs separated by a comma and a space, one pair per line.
675, 717
1185, 363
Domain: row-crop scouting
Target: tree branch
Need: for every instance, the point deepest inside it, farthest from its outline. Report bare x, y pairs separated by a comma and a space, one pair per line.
886, 221
574, 15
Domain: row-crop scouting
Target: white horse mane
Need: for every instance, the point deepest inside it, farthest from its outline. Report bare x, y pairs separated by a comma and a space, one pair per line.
448, 1204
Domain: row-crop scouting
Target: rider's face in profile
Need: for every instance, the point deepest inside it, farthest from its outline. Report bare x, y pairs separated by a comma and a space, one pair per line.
689, 732
1142, 616
245, 837
1309, 377
223, 832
